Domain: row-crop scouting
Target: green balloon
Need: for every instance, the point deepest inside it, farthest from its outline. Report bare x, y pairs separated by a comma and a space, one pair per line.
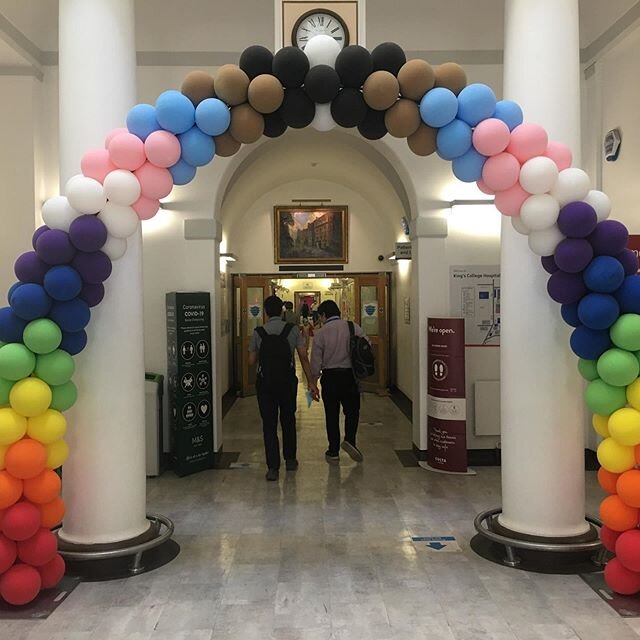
64, 396
42, 336
587, 369
625, 332
5, 389
618, 367
55, 368
603, 398
16, 361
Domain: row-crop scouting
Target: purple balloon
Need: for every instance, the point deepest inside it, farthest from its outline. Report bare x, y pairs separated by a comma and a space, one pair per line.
93, 268
629, 260
29, 268
37, 233
566, 288
54, 247
549, 264
88, 234
92, 294
573, 255
577, 219
609, 238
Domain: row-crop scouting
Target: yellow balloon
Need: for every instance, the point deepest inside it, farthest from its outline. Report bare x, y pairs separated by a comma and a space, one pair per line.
633, 394
30, 397
615, 457
57, 453
600, 424
624, 426
48, 427
3, 450
13, 426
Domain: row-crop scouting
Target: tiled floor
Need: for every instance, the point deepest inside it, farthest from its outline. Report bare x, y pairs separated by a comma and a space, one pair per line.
325, 554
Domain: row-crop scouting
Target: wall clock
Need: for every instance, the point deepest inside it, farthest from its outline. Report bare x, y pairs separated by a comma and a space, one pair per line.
300, 20
319, 22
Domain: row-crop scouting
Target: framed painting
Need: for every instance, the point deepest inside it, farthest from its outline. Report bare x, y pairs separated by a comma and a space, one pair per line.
311, 235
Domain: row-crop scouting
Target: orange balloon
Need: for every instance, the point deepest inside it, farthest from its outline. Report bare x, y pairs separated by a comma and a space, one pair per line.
617, 515
52, 513
43, 488
26, 458
607, 480
10, 489
628, 487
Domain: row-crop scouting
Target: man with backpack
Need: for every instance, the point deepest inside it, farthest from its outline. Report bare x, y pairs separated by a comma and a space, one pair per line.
342, 354
272, 348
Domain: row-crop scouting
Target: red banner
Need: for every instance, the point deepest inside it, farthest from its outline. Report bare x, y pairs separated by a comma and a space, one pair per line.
446, 401
634, 244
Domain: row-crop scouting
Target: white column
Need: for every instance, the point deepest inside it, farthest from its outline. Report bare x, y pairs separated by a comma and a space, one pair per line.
542, 407
104, 478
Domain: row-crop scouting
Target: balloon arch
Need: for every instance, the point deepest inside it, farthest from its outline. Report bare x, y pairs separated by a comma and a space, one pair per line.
592, 273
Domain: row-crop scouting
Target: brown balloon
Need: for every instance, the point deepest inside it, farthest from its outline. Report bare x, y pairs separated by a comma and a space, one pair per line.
265, 93
198, 86
226, 146
232, 84
451, 76
247, 125
415, 78
403, 118
380, 90
423, 141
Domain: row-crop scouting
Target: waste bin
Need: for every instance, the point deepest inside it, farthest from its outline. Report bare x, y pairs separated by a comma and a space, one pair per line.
154, 388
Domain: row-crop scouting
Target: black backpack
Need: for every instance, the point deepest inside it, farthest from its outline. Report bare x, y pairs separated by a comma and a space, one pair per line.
274, 358
362, 359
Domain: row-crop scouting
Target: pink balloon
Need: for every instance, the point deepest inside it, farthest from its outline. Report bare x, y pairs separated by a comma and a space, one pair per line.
112, 134
155, 182
560, 154
96, 164
127, 151
509, 201
501, 172
528, 140
146, 208
481, 184
162, 149
491, 136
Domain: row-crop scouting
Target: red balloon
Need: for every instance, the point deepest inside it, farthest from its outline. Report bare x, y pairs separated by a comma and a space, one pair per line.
608, 538
21, 521
39, 549
20, 585
620, 579
52, 572
628, 549
8, 553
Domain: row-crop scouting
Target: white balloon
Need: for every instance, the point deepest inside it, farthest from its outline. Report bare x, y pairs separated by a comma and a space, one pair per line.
57, 213
538, 175
323, 120
86, 195
115, 248
544, 243
572, 185
539, 212
121, 221
322, 49
121, 187
519, 226
600, 202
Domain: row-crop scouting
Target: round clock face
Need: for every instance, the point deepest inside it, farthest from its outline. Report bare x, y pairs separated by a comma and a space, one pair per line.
319, 22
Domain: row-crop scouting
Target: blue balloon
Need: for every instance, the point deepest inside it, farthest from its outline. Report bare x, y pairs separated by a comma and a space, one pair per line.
468, 167
438, 107
509, 112
453, 140
13, 287
30, 301
569, 313
71, 316
73, 342
182, 172
63, 283
213, 117
11, 326
141, 120
589, 344
604, 274
175, 112
628, 295
598, 311
198, 148
476, 102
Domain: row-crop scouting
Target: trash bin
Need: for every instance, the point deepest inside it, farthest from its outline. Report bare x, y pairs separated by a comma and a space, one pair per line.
154, 388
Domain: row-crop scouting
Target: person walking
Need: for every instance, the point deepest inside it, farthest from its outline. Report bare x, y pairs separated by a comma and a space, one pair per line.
288, 314
272, 348
331, 359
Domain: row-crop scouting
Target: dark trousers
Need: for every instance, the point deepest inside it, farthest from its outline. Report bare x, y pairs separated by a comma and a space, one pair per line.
340, 388
273, 401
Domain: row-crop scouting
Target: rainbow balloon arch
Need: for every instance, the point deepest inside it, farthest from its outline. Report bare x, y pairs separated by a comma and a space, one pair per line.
592, 273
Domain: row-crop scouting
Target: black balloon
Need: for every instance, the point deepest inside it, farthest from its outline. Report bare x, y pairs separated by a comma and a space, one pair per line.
297, 108
322, 83
290, 66
388, 56
373, 127
353, 65
274, 125
348, 108
256, 60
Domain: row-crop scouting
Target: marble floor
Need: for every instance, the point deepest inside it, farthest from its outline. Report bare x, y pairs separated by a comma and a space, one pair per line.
325, 554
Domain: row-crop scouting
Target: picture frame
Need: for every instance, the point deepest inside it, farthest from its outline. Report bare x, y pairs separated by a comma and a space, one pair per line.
311, 234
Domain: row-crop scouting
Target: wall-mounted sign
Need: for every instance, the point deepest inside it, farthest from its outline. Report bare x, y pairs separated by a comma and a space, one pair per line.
403, 251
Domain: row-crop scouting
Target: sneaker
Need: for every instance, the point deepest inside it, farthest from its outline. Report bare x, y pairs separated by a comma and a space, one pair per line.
272, 475
331, 457
292, 465
353, 451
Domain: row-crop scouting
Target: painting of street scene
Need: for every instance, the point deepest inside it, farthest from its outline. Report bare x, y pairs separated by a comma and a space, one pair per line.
311, 235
